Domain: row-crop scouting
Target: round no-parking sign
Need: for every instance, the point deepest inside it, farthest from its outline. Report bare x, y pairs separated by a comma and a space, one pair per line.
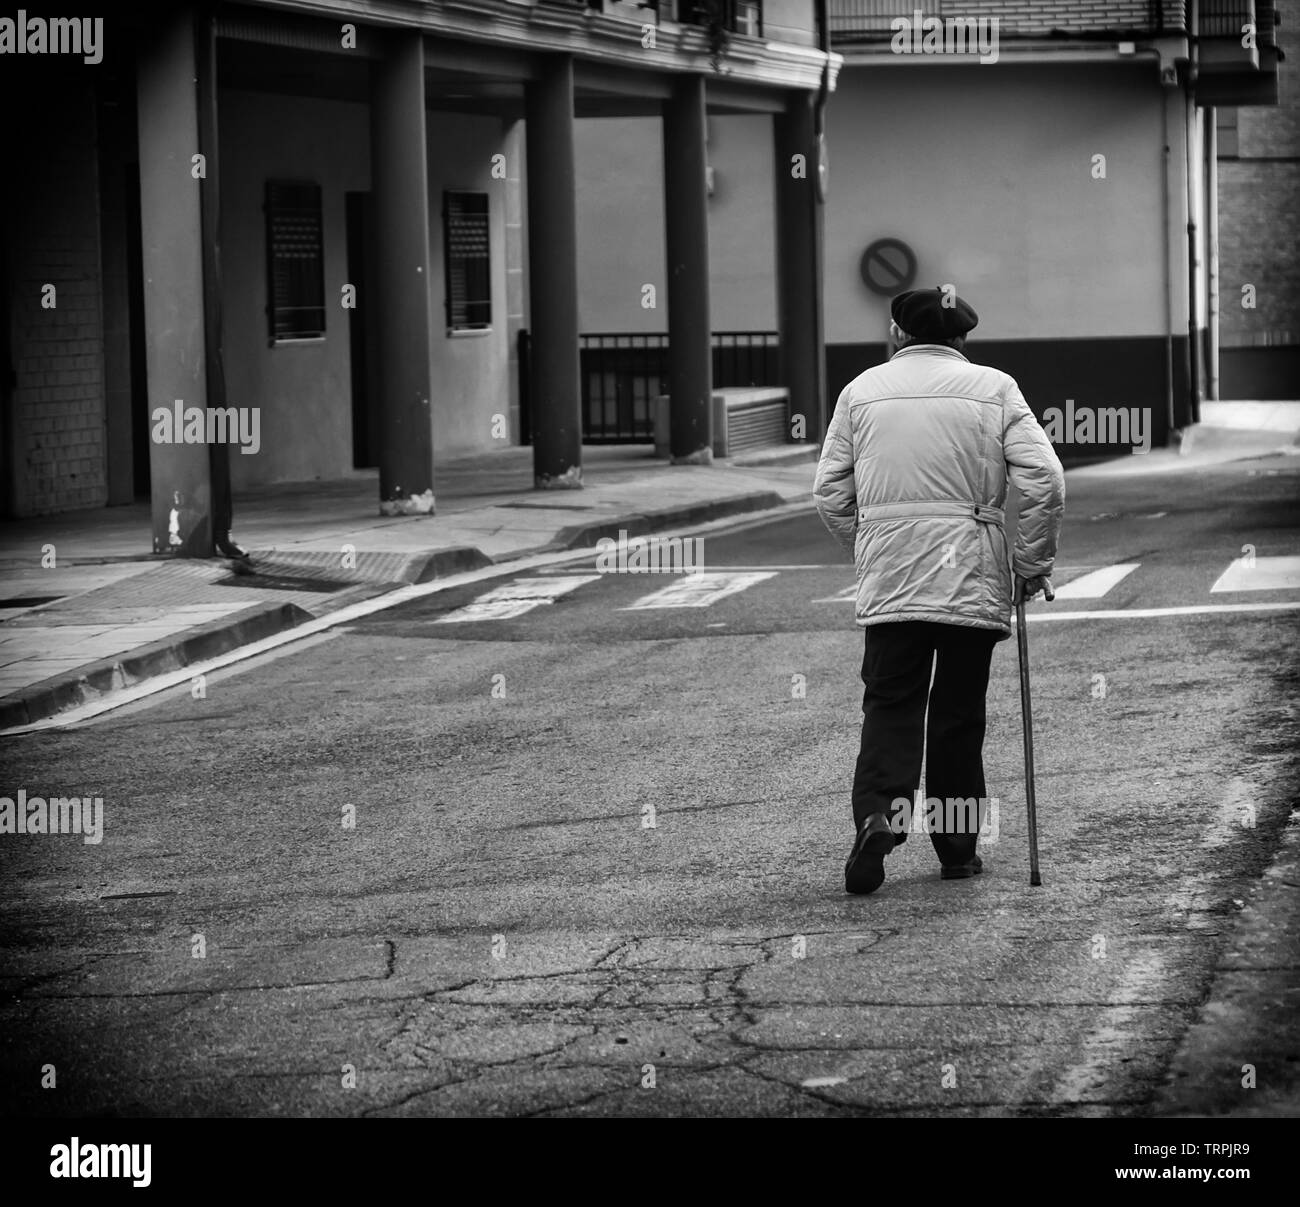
888, 266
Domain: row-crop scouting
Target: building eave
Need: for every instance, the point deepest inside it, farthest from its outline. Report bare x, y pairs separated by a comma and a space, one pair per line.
587, 35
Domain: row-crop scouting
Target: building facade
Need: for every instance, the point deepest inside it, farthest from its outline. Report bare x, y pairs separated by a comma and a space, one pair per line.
284, 241
1258, 159
1054, 161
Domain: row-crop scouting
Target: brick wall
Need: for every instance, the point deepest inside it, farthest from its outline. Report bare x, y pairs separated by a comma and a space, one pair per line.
56, 407
1259, 211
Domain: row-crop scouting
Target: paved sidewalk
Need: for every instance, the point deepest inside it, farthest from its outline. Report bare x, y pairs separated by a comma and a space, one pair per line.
86, 609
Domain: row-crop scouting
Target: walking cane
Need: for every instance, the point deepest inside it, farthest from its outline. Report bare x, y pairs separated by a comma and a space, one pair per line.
1022, 640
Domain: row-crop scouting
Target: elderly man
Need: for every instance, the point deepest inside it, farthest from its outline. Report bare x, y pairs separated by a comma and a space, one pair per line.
912, 479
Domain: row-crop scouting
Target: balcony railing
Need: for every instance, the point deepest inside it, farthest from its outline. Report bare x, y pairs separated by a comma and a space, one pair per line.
1227, 18
735, 16
743, 17
1224, 18
873, 16
870, 20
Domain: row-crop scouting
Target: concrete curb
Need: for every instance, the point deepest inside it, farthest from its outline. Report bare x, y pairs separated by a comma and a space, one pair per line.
442, 563
52, 696
1249, 1017
58, 693
760, 458
373, 568
583, 536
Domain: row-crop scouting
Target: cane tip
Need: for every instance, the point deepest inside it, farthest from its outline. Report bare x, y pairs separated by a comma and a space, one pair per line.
1035, 882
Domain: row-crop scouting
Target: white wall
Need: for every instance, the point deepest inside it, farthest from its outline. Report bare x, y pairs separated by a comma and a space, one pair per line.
790, 21
468, 372
987, 173
304, 389
621, 224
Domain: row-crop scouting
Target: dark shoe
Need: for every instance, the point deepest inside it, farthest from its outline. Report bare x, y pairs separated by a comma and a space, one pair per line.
962, 871
865, 870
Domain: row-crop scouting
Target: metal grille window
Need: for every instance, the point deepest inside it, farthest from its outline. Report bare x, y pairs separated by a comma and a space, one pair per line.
469, 280
295, 260
737, 16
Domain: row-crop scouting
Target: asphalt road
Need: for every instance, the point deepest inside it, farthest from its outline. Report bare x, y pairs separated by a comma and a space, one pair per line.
596, 859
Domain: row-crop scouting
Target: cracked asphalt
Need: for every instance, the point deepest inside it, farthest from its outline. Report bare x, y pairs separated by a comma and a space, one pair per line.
503, 931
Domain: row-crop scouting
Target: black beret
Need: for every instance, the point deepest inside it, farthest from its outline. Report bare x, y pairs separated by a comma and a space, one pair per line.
924, 316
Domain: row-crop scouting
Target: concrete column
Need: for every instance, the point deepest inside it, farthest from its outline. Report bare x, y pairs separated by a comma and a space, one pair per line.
555, 397
399, 182
172, 255
686, 228
209, 205
799, 223
115, 135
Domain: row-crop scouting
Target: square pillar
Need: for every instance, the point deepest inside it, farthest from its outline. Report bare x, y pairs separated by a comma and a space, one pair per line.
686, 229
171, 222
554, 395
399, 181
799, 227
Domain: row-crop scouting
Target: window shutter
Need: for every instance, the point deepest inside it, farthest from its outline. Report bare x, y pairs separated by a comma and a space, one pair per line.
295, 260
468, 262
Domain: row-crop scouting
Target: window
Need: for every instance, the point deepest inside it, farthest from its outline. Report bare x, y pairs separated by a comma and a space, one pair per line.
295, 260
469, 281
743, 17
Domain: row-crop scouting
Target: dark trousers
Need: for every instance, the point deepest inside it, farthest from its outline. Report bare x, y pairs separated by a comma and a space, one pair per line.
896, 670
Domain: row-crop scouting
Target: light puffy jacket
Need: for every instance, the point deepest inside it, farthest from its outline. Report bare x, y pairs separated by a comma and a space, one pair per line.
913, 479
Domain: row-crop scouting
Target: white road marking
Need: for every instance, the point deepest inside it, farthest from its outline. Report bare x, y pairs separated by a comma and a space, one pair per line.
698, 590
518, 597
1096, 583
1259, 574
1092, 585
770, 566
817, 1083
1148, 613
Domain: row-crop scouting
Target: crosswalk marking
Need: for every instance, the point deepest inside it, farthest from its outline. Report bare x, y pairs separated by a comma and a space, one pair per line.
699, 590
1096, 583
1092, 585
518, 597
705, 588
1259, 574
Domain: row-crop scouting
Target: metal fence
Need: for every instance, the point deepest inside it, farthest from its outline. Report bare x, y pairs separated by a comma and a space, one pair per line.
623, 373
871, 17
869, 20
1225, 18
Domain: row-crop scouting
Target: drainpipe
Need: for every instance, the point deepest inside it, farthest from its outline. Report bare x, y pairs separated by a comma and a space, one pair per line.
1212, 234
1193, 276
1166, 251
824, 40
819, 212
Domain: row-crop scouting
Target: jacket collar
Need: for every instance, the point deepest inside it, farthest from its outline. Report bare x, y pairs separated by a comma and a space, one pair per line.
929, 350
